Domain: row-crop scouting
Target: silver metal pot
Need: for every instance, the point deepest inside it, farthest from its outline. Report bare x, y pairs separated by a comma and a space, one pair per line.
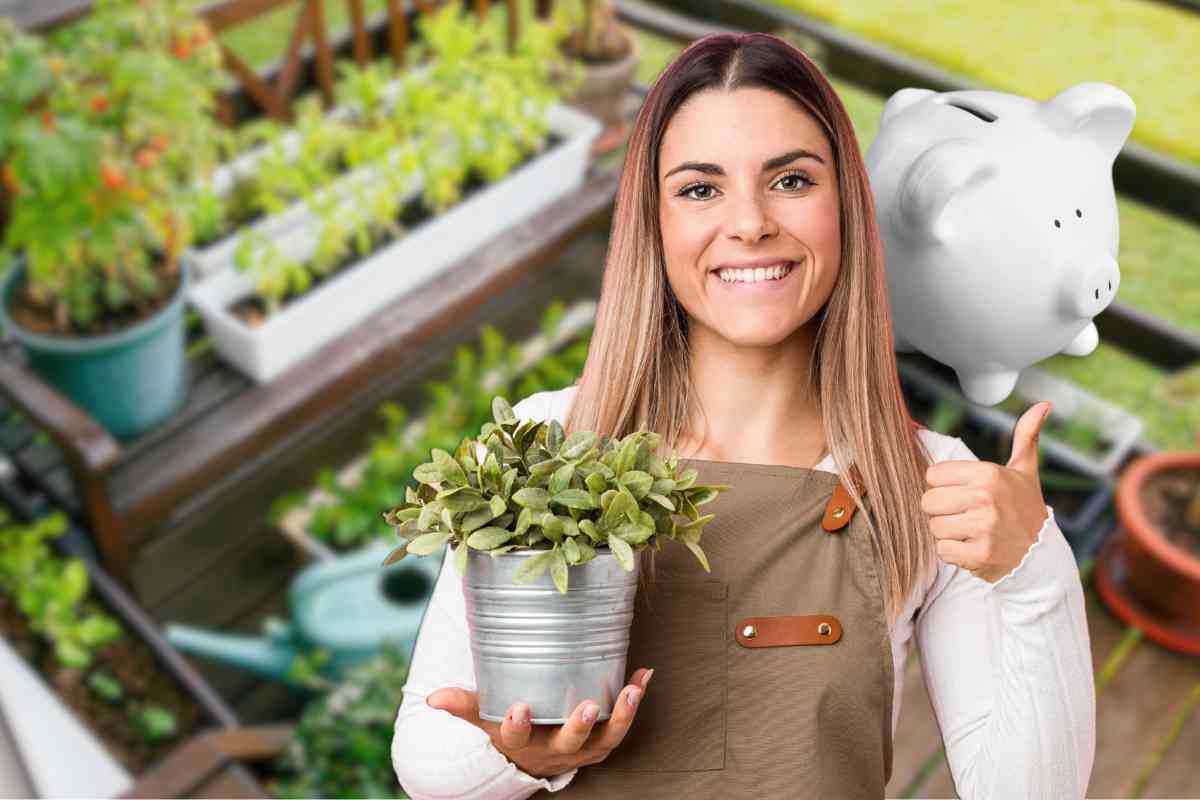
533, 644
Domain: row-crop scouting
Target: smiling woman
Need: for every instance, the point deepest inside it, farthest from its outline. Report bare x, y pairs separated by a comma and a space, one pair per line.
744, 318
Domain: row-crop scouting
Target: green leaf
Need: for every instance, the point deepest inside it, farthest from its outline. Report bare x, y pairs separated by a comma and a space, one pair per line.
621, 549
662, 500
574, 498
695, 548
686, 480
428, 543
487, 538
571, 550
502, 412
452, 471
532, 498
428, 473
561, 479
637, 482
534, 566
397, 554
558, 570
578, 444
460, 559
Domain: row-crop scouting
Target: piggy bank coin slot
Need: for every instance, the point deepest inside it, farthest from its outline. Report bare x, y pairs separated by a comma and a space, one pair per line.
983, 114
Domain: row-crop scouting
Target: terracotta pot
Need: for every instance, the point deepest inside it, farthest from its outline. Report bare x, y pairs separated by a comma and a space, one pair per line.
1148, 581
604, 85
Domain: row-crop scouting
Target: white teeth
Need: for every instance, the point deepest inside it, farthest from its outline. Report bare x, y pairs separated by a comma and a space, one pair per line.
754, 275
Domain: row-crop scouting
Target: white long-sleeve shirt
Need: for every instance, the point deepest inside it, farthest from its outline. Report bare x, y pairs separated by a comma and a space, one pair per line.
1007, 667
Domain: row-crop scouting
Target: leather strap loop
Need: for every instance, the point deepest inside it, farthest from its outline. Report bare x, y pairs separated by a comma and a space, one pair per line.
786, 631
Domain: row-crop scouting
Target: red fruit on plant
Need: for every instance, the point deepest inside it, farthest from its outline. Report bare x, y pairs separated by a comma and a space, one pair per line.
112, 176
48, 120
182, 48
159, 142
9, 176
99, 103
200, 35
147, 157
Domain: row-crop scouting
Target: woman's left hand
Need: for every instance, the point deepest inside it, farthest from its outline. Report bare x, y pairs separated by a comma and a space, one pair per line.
985, 516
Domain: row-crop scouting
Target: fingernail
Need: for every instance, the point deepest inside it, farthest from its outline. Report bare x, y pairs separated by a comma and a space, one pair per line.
646, 680
589, 712
522, 715
633, 696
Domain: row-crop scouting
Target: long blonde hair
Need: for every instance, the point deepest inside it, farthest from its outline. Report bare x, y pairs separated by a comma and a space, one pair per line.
637, 371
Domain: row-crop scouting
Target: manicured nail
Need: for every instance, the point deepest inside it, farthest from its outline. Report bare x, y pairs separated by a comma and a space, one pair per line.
632, 696
521, 717
590, 711
646, 680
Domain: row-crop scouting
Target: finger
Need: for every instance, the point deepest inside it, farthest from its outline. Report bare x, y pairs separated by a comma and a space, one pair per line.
1025, 439
459, 702
953, 499
516, 727
953, 527
575, 731
958, 472
610, 734
960, 554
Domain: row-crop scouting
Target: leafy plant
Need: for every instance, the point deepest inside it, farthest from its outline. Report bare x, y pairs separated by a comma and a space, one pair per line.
525, 484
342, 743
105, 685
153, 722
49, 591
595, 35
100, 163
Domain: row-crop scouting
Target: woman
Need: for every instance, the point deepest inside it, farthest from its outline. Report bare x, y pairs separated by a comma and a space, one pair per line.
780, 673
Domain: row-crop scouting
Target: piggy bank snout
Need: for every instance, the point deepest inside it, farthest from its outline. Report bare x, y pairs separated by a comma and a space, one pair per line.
1089, 286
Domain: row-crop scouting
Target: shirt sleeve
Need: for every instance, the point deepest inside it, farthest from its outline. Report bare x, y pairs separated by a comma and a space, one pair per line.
1008, 669
435, 754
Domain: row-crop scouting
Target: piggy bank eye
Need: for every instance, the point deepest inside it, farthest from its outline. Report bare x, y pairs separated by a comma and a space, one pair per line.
1057, 224
1079, 213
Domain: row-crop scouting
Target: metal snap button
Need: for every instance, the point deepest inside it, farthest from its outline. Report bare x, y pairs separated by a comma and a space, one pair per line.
839, 512
749, 632
824, 629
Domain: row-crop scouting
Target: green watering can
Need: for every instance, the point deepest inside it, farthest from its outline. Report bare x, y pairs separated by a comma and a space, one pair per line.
348, 606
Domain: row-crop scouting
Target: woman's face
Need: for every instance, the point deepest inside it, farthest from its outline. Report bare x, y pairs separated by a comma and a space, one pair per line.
748, 176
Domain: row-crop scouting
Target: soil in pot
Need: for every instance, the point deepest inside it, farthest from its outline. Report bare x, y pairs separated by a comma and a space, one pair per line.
40, 320
128, 659
1171, 499
253, 310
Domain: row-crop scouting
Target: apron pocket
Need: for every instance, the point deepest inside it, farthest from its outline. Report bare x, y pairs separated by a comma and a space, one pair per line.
680, 722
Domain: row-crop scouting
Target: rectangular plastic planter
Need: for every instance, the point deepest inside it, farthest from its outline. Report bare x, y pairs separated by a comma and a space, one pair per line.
1120, 430
309, 322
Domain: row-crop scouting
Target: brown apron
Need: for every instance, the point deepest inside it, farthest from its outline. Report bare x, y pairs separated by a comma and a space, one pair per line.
773, 674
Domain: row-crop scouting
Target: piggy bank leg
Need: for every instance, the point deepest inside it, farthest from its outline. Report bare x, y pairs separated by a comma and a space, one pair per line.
987, 388
1085, 342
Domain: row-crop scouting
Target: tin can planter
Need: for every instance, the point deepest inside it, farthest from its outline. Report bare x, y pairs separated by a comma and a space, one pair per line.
552, 650
131, 380
1149, 573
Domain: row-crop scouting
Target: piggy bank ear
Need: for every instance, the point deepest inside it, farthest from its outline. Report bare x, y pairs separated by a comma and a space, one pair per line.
1099, 112
902, 100
941, 173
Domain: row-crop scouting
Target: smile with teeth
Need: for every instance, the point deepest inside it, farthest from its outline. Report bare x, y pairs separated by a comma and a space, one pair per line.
757, 274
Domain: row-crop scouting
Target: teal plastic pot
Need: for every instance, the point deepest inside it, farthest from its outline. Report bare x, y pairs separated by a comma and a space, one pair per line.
129, 380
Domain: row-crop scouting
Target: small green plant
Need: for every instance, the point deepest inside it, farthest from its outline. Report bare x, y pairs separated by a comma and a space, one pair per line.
153, 722
342, 743
525, 484
105, 685
50, 591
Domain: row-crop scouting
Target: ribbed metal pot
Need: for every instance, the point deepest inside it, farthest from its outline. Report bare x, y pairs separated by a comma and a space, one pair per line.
533, 644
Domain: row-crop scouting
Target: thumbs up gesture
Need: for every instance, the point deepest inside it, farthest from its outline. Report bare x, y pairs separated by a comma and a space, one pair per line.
985, 516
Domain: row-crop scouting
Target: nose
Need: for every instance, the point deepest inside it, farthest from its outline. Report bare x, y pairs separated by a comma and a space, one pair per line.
750, 219
1089, 286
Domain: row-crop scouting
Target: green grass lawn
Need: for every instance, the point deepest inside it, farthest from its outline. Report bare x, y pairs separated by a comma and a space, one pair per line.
1037, 49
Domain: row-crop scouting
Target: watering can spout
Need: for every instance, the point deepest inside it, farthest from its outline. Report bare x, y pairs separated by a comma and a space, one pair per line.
263, 655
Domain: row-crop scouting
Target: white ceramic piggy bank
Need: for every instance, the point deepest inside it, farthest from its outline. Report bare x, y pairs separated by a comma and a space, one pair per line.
999, 224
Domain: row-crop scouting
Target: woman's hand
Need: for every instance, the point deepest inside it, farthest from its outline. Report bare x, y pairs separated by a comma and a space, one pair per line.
549, 750
985, 516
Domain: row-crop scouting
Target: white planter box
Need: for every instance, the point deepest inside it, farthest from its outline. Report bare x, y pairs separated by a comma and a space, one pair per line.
207, 261
62, 755
309, 322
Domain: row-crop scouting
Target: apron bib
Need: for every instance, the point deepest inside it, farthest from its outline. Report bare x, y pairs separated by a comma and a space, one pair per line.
773, 674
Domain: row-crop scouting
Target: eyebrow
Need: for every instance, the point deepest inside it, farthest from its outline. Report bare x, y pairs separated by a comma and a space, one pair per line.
771, 163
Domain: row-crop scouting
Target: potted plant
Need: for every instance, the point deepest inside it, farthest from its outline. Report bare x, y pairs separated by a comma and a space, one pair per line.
99, 166
543, 506
1149, 573
482, 148
607, 53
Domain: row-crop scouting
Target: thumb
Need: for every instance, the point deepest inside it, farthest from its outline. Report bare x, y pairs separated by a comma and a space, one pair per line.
1025, 439
459, 702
